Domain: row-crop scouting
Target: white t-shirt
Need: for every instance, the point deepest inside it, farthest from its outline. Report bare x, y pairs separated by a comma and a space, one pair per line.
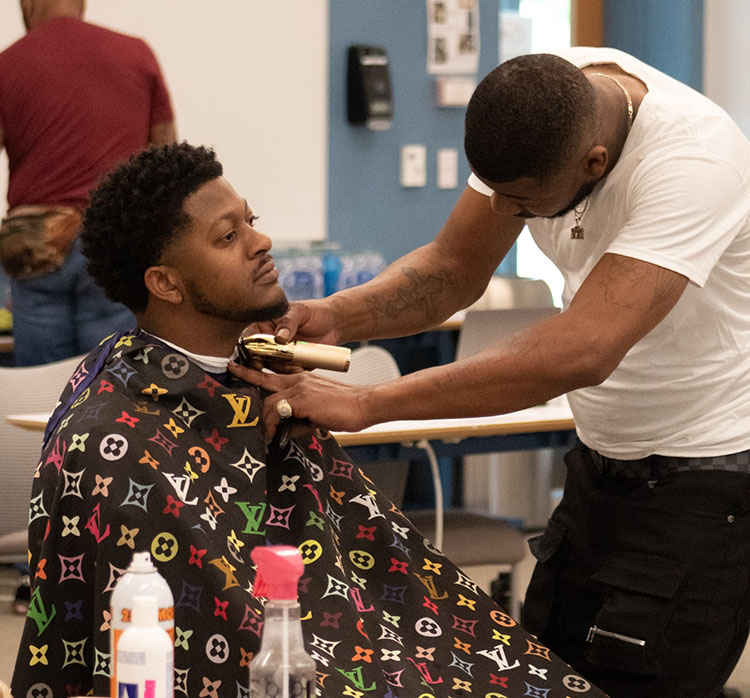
678, 197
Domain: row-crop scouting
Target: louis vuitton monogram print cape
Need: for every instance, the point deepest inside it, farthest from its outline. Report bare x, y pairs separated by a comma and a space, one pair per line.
148, 452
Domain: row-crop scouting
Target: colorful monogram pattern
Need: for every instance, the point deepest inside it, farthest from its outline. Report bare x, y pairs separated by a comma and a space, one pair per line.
149, 452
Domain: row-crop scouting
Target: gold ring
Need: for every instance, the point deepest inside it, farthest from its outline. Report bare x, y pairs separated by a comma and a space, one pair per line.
284, 409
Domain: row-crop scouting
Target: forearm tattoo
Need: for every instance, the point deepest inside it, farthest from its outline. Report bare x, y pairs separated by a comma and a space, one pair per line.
419, 295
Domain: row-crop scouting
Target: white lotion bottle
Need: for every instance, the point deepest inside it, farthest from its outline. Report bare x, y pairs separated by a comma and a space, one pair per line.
145, 654
140, 579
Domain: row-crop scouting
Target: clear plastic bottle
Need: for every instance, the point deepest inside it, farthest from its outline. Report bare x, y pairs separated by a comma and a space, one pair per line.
145, 654
282, 668
308, 277
140, 579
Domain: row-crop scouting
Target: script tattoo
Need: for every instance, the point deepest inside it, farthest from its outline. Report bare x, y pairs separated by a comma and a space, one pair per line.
420, 294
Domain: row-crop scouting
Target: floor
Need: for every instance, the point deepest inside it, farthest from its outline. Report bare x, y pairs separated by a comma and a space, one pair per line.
11, 624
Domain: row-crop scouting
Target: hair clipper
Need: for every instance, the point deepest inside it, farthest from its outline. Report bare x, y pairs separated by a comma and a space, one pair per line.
264, 347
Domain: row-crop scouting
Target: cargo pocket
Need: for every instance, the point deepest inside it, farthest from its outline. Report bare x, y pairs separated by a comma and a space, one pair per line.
629, 630
540, 594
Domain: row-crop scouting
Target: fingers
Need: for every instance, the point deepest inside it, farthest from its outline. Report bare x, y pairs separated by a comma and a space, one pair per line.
251, 375
259, 328
271, 422
278, 416
284, 409
286, 328
288, 325
279, 367
278, 410
264, 379
283, 328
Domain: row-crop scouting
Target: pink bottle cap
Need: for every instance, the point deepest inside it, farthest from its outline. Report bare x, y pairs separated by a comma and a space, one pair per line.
279, 570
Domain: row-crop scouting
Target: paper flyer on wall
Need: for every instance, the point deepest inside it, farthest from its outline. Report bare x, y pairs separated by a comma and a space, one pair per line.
514, 38
452, 37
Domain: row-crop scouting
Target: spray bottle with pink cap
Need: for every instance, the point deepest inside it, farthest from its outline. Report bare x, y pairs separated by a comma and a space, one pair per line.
282, 668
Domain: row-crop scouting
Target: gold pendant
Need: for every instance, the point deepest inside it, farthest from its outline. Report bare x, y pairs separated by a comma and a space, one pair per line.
576, 232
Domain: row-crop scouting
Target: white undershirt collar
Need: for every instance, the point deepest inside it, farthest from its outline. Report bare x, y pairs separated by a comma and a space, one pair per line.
212, 364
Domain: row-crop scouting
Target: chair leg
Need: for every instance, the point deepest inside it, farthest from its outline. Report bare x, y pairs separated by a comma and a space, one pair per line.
506, 592
23, 596
516, 595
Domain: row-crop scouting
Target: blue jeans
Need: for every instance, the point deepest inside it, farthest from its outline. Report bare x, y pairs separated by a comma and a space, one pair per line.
62, 314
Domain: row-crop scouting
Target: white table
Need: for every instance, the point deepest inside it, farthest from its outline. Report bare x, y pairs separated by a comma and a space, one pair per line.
533, 422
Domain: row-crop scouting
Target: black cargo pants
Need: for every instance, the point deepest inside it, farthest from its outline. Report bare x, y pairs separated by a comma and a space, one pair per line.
643, 582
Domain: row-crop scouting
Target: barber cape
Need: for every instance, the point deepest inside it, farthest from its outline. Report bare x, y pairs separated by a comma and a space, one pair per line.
148, 452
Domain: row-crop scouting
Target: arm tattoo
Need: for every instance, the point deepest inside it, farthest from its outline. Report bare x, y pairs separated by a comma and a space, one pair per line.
420, 294
628, 273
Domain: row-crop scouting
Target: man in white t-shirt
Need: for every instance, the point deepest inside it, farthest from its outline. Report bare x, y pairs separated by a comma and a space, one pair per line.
638, 188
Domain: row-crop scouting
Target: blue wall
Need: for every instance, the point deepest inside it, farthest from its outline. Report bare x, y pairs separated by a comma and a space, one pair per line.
667, 34
367, 206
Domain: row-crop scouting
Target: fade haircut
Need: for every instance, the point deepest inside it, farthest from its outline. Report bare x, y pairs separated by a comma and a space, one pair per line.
136, 211
526, 117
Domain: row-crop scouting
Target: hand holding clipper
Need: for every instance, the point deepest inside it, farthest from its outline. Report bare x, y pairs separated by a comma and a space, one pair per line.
264, 348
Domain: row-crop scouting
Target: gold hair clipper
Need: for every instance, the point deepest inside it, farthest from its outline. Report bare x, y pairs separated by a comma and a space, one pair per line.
264, 347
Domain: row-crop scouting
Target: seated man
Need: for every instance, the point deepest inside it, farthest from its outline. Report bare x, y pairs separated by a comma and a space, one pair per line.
156, 446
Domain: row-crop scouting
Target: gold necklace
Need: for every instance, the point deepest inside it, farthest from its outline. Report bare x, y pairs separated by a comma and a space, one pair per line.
576, 232
624, 91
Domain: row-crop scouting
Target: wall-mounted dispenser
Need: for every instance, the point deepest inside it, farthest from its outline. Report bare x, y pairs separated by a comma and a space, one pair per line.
368, 82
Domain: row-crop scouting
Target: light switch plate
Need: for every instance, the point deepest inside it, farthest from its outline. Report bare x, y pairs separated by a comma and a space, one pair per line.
447, 168
413, 165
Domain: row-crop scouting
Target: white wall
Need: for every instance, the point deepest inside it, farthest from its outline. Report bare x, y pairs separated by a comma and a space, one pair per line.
249, 78
726, 60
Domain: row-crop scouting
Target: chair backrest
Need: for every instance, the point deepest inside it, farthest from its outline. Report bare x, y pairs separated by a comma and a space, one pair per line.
374, 364
370, 364
24, 389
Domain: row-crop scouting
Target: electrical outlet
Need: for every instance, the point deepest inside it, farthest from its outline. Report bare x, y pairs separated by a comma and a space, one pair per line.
413, 165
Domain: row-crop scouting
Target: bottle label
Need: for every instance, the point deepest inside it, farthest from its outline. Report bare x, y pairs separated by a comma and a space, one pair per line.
133, 690
127, 690
144, 675
132, 658
166, 613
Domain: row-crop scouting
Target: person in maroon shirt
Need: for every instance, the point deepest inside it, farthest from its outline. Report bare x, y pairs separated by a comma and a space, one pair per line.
75, 100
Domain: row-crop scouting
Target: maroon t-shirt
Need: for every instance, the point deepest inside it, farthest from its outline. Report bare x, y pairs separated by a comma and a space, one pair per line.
75, 99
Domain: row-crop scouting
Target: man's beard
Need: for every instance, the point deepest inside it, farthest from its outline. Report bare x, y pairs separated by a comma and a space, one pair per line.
245, 316
580, 195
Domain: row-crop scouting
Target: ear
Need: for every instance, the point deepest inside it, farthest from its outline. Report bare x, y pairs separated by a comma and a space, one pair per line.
596, 162
163, 282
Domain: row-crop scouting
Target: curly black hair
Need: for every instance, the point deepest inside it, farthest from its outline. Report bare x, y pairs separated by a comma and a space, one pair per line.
526, 117
136, 211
